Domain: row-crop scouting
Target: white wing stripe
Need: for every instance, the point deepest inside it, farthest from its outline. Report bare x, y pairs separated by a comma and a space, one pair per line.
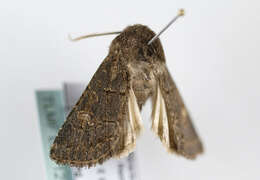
160, 118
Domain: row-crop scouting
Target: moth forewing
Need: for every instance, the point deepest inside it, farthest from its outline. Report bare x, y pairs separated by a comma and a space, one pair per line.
183, 138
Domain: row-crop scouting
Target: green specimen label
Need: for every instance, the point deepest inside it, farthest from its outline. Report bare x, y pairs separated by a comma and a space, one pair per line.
51, 118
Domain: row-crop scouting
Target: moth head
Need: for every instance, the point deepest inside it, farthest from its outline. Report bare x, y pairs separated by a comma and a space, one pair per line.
132, 43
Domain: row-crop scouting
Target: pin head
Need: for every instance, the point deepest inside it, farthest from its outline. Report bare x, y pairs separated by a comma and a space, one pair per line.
181, 12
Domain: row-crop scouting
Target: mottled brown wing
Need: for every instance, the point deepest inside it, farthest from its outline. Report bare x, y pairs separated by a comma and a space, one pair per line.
96, 129
171, 120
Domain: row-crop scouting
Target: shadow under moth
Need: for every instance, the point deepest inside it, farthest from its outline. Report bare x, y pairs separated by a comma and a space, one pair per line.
106, 121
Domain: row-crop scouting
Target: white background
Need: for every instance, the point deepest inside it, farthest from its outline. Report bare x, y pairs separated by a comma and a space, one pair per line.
213, 54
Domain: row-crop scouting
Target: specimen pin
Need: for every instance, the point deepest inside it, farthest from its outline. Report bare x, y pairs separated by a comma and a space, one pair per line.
181, 13
93, 35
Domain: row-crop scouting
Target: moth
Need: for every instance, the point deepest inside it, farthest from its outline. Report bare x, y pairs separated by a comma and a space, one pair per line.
106, 120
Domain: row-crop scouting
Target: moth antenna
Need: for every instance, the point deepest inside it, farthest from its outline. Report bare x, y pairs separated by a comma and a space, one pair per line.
181, 13
92, 35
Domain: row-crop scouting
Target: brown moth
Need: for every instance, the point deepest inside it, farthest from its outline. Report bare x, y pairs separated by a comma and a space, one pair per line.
106, 120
